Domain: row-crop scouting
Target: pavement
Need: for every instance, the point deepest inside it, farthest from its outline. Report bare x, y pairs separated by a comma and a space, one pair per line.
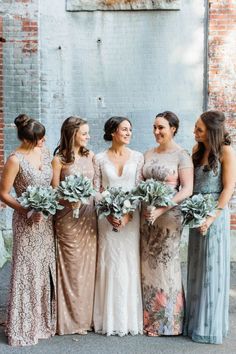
99, 344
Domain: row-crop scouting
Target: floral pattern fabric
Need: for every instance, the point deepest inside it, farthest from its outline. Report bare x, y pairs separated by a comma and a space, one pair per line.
163, 295
32, 308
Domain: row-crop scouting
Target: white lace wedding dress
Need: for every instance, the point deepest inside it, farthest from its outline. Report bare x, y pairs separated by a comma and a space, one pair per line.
118, 299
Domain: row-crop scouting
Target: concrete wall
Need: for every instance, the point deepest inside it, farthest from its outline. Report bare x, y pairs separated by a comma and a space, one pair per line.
134, 63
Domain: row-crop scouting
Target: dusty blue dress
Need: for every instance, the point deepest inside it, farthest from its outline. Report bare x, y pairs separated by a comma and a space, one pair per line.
207, 301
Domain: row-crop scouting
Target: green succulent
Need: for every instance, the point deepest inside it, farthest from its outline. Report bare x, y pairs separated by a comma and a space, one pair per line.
154, 193
116, 202
196, 209
40, 199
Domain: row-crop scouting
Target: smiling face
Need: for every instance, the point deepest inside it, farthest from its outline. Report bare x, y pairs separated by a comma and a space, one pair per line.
200, 131
162, 130
123, 133
82, 136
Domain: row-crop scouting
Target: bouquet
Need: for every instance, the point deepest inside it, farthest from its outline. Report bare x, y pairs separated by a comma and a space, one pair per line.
196, 209
75, 189
40, 199
117, 203
154, 193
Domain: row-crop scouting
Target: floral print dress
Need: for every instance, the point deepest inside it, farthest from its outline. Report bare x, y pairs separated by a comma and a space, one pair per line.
163, 295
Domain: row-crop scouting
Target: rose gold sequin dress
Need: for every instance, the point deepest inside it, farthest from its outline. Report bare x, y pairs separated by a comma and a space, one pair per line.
31, 310
76, 259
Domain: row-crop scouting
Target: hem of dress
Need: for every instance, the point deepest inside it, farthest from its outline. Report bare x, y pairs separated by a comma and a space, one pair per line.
13, 342
206, 339
120, 333
76, 331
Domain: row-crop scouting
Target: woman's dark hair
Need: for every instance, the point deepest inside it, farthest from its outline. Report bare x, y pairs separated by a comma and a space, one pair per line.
171, 118
111, 126
217, 138
29, 129
69, 129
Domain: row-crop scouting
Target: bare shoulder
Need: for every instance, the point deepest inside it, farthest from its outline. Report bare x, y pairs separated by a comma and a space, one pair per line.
228, 153
56, 160
12, 161
12, 165
195, 148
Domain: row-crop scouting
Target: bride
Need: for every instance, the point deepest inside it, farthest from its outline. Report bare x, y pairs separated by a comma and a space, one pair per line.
118, 302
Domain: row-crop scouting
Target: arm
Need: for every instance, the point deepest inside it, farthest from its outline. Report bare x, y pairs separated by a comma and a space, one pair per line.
9, 174
56, 167
228, 181
139, 171
97, 180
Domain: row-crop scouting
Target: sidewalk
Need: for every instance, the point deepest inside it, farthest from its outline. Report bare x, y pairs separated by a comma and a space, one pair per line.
98, 344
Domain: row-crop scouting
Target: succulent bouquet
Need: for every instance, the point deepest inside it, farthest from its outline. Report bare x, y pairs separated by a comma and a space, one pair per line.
40, 199
117, 203
75, 189
196, 209
154, 194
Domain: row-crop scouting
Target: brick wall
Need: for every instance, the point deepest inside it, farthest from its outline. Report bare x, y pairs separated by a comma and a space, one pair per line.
1, 98
21, 66
222, 67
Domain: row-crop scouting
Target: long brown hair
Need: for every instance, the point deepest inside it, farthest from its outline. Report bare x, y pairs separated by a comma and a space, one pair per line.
217, 138
69, 129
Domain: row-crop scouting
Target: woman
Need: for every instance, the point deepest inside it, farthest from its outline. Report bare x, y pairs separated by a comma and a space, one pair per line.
118, 302
76, 237
31, 311
163, 296
209, 255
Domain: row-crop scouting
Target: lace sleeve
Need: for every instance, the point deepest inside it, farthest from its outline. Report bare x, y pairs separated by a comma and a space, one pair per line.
139, 171
185, 160
97, 180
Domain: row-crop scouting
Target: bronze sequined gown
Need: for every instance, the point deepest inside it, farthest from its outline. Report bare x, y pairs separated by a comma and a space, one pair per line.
76, 258
31, 310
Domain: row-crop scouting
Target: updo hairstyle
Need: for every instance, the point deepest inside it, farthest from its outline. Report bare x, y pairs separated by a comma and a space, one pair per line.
112, 125
29, 129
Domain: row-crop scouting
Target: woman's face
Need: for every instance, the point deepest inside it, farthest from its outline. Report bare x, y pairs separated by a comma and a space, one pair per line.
200, 131
82, 136
123, 133
162, 131
41, 142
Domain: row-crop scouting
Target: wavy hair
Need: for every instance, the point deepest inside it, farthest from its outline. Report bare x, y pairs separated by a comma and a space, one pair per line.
65, 147
217, 138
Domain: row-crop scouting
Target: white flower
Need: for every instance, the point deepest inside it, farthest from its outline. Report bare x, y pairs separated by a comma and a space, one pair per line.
105, 194
127, 204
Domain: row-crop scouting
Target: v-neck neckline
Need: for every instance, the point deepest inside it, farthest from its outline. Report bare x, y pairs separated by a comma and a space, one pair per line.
111, 162
30, 164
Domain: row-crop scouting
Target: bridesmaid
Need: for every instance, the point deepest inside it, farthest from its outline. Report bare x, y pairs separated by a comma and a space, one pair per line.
208, 287
76, 238
163, 296
31, 310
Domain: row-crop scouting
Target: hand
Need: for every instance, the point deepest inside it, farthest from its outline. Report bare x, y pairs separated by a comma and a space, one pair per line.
125, 219
35, 216
113, 221
119, 223
151, 213
205, 226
